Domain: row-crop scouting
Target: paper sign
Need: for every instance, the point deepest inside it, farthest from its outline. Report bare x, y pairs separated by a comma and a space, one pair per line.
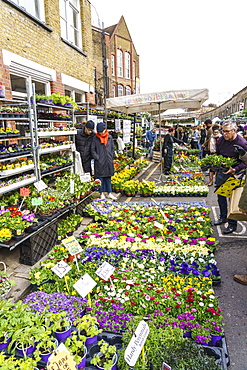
105, 271
157, 224
37, 201
61, 269
24, 192
164, 216
136, 343
72, 245
73, 148
72, 186
166, 367
86, 177
84, 285
40, 185
61, 359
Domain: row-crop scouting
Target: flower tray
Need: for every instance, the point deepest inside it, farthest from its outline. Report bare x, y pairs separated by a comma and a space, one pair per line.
220, 353
56, 133
17, 170
55, 149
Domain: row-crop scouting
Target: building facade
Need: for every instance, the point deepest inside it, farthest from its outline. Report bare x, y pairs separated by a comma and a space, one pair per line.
116, 61
48, 43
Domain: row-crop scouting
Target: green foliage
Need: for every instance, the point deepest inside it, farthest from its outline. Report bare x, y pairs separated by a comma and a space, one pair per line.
104, 358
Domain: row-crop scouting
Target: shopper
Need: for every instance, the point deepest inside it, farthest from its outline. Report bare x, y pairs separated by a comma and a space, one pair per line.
205, 145
203, 134
212, 148
103, 153
167, 149
185, 136
83, 142
195, 137
151, 137
225, 147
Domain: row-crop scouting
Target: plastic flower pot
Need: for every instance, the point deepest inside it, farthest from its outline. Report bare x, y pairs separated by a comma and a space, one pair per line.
61, 335
45, 356
26, 351
82, 364
114, 363
5, 343
91, 340
215, 339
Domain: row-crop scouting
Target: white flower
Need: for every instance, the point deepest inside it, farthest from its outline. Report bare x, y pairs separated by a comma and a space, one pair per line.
201, 304
210, 305
212, 296
106, 287
126, 298
120, 290
147, 298
127, 287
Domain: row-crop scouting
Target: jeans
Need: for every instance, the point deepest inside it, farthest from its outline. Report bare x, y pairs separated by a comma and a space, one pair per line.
105, 184
150, 150
222, 201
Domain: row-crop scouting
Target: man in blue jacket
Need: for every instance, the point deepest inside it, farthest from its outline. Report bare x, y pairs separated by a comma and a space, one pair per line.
151, 137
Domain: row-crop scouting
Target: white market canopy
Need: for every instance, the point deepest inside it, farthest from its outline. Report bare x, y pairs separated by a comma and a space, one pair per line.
158, 102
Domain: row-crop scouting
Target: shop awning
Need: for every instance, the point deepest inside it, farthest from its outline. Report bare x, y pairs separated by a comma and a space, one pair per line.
156, 103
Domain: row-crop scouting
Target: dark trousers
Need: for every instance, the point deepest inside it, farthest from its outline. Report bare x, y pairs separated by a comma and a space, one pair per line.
222, 201
105, 184
87, 166
167, 163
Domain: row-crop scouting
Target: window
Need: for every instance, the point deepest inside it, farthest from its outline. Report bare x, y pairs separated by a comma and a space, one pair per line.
120, 90
119, 63
127, 90
113, 91
127, 65
77, 95
18, 86
133, 70
70, 21
34, 7
113, 65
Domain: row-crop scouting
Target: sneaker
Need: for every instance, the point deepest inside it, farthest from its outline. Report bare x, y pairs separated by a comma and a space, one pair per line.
111, 196
102, 196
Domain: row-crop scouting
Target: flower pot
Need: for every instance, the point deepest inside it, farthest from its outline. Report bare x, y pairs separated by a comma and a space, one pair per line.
91, 340
215, 339
26, 350
5, 343
114, 363
61, 335
82, 364
45, 356
187, 334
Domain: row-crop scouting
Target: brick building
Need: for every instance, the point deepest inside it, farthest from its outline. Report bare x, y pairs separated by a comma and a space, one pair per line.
48, 42
116, 61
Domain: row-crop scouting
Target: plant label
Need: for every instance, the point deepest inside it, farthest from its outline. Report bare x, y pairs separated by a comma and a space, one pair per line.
165, 367
86, 177
37, 201
72, 186
61, 359
84, 285
61, 269
176, 169
40, 185
72, 245
164, 216
24, 192
73, 148
105, 271
157, 224
136, 343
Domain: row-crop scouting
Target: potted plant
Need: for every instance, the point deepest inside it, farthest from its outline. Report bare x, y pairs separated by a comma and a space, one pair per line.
45, 347
106, 358
62, 327
130, 187
87, 326
76, 345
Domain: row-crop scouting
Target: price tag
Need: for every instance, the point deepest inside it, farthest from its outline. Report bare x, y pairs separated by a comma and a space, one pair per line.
84, 285
40, 185
157, 224
24, 192
105, 271
176, 169
136, 343
37, 201
86, 177
164, 216
166, 367
72, 186
72, 245
61, 359
61, 269
18, 232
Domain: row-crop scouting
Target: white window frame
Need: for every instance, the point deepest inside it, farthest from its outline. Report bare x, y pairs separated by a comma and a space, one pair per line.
113, 91
119, 63
120, 90
29, 9
66, 22
127, 90
133, 70
113, 65
127, 64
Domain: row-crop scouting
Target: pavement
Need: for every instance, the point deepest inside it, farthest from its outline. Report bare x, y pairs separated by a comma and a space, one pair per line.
231, 256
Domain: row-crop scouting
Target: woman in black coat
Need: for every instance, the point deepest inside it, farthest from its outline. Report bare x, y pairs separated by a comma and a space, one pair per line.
83, 142
167, 149
103, 153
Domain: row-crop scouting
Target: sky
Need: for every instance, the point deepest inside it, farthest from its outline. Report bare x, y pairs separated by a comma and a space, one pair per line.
184, 44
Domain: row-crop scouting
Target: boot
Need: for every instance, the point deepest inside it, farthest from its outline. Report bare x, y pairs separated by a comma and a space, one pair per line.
242, 279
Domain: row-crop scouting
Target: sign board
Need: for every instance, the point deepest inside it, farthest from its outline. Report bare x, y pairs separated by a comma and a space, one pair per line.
84, 285
24, 192
37, 201
105, 271
117, 125
126, 130
72, 186
86, 177
136, 343
61, 359
159, 225
61, 268
40, 185
72, 245
165, 367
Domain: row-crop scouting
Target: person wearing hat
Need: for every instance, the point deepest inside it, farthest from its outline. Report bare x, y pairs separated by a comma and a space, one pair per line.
83, 142
103, 153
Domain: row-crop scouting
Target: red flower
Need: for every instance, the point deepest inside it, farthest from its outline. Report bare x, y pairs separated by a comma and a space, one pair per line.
52, 199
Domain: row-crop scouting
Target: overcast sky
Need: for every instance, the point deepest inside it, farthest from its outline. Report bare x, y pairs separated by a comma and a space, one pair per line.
184, 44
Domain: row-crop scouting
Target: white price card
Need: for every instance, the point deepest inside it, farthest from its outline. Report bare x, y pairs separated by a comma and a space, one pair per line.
157, 224
40, 185
61, 268
84, 285
105, 270
72, 245
136, 343
175, 168
164, 216
72, 186
165, 367
86, 177
73, 147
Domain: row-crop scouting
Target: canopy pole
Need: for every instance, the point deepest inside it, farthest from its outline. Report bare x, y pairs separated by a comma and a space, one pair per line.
134, 137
